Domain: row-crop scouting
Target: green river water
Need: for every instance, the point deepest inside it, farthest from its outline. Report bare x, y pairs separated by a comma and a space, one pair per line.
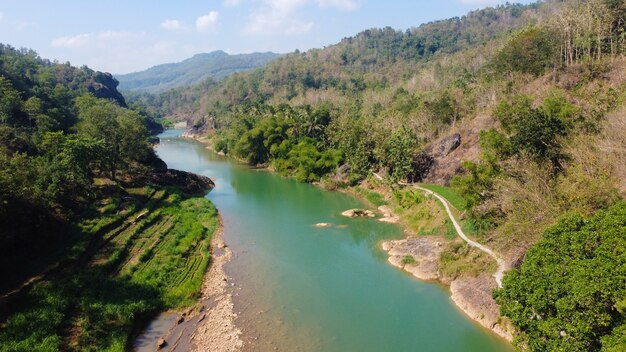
302, 288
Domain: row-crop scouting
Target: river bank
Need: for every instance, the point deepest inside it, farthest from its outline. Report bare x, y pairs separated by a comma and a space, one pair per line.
471, 294
207, 326
216, 330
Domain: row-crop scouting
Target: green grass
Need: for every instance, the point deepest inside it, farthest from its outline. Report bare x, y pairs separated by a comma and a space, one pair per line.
459, 259
408, 259
449, 194
376, 199
166, 123
450, 230
141, 267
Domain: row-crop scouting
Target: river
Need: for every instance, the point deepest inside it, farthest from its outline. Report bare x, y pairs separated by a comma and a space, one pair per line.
303, 288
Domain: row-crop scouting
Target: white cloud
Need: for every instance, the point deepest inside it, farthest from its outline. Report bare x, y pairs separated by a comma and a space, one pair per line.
207, 22
278, 17
1, 16
345, 5
88, 39
172, 25
119, 51
231, 2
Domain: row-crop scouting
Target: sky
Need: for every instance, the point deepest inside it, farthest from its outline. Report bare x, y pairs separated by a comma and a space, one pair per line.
122, 36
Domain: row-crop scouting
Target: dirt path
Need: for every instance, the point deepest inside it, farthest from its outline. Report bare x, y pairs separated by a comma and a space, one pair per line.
501, 263
502, 266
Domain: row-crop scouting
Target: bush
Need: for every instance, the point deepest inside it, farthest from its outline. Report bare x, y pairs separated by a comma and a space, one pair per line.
570, 292
532, 50
408, 260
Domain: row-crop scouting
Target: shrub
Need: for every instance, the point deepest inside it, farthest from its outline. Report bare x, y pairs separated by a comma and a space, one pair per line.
569, 293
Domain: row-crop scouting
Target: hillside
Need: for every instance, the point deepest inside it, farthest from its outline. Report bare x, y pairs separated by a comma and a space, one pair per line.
371, 60
96, 234
215, 65
519, 109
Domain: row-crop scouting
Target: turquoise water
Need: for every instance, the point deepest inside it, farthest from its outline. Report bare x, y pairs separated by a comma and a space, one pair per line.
303, 288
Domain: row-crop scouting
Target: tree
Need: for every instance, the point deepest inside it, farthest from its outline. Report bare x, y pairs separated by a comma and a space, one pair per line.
398, 152
532, 50
531, 130
10, 102
66, 167
570, 292
122, 131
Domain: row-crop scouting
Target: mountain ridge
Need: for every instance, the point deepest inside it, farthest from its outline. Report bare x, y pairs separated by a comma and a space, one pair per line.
215, 65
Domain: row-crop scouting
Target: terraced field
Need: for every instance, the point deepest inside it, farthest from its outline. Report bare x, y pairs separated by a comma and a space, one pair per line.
143, 250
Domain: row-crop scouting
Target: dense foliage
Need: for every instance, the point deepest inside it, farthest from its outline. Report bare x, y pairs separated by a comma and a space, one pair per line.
55, 134
100, 255
570, 292
60, 127
94, 302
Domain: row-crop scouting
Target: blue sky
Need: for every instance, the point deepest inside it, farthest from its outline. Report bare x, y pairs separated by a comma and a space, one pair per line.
131, 35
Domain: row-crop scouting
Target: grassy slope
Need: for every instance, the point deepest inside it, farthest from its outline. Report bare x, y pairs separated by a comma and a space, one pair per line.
143, 254
449, 194
423, 215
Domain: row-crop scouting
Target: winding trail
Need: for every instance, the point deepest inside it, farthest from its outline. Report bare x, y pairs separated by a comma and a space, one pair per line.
502, 266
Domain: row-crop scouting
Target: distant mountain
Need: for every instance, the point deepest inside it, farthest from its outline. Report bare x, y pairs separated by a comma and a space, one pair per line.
215, 65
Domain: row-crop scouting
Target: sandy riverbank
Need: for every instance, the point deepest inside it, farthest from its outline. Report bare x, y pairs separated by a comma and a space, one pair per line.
216, 330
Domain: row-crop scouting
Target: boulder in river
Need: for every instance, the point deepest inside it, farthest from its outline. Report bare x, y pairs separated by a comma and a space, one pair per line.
355, 213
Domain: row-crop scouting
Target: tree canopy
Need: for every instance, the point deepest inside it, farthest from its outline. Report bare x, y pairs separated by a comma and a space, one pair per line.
570, 292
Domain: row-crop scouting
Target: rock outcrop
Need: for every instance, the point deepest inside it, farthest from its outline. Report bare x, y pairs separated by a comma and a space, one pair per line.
188, 182
103, 85
355, 213
443, 159
446, 145
473, 296
423, 251
388, 215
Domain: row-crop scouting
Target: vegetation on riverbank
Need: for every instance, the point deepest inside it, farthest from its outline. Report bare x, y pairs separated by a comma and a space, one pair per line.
96, 235
522, 115
570, 292
141, 251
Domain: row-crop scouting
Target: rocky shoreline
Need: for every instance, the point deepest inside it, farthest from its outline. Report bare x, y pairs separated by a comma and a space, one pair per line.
216, 330
420, 257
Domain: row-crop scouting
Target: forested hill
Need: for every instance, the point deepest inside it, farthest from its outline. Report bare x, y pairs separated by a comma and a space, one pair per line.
519, 109
60, 126
96, 234
215, 65
372, 59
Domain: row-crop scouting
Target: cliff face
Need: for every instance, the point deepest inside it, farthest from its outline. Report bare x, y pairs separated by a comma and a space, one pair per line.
103, 85
443, 158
